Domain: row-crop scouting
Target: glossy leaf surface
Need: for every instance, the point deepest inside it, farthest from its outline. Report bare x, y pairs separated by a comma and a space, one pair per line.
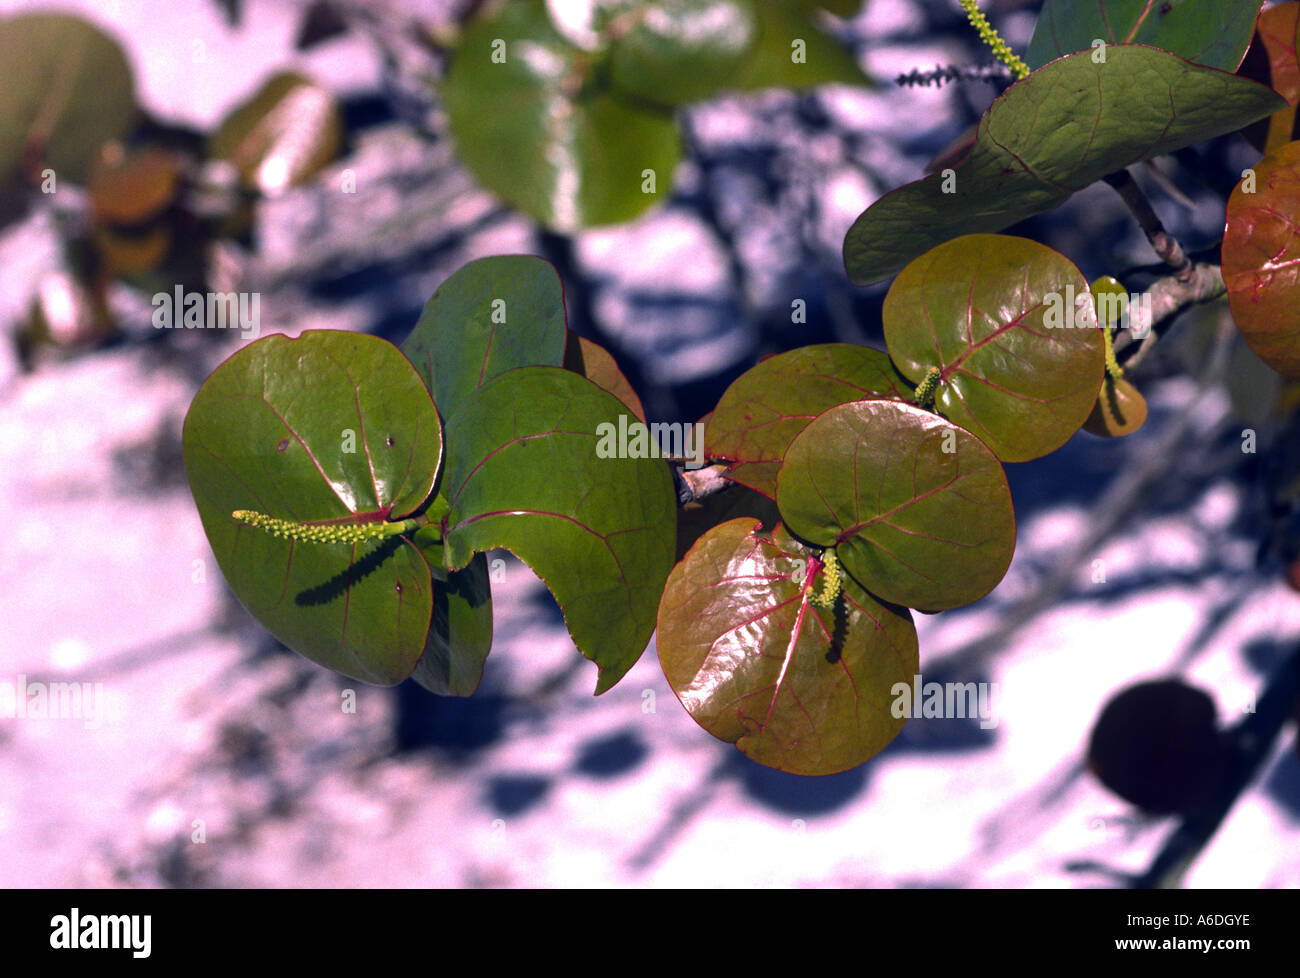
1011, 325
917, 508
796, 687
524, 473
330, 426
490, 316
1261, 260
1065, 126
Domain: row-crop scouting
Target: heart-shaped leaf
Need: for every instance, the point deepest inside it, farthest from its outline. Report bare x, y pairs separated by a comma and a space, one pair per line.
1271, 59
593, 361
769, 404
1011, 326
283, 135
67, 90
491, 316
917, 508
679, 51
531, 469
330, 427
1067, 125
1261, 259
537, 128
1213, 34
795, 686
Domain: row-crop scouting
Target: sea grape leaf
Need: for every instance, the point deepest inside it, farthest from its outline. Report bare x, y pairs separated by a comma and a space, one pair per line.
796, 687
769, 404
593, 361
331, 426
1055, 132
525, 472
1012, 326
1261, 260
67, 90
283, 135
677, 51
1271, 60
1212, 34
460, 633
539, 130
490, 316
822, 58
918, 509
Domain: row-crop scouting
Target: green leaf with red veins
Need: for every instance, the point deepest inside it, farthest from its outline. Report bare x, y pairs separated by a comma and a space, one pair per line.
796, 687
328, 427
918, 509
1011, 325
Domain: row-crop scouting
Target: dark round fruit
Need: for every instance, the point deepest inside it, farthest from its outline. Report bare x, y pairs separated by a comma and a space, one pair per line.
1158, 746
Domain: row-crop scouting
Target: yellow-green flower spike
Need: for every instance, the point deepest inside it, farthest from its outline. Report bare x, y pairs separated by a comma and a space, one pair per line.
994, 40
322, 532
924, 393
1109, 285
831, 583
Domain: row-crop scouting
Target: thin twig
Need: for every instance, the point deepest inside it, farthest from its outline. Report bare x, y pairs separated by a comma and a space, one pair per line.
1164, 244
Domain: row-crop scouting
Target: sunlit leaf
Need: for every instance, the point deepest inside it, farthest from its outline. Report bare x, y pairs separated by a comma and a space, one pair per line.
283, 135
490, 316
796, 687
1067, 125
1272, 60
1261, 260
917, 508
328, 427
1011, 325
525, 472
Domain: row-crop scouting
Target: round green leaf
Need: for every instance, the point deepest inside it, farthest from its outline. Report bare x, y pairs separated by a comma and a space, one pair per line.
1213, 34
534, 126
491, 316
67, 90
532, 469
1067, 125
1261, 259
679, 51
795, 686
1011, 325
330, 426
283, 135
917, 508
